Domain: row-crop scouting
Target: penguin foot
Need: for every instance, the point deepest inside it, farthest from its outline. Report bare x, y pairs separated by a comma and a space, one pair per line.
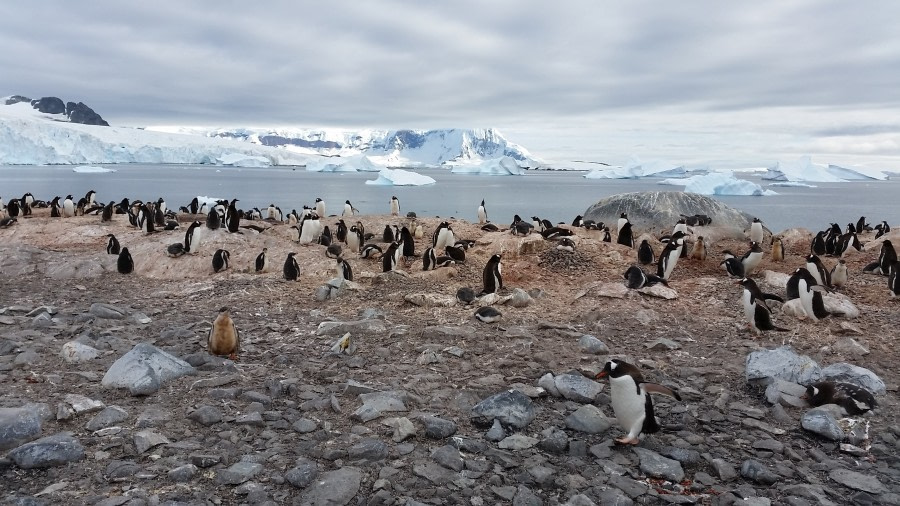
233, 357
627, 440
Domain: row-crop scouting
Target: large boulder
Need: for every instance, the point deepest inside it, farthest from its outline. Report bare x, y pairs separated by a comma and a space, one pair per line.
80, 113
657, 212
144, 369
49, 105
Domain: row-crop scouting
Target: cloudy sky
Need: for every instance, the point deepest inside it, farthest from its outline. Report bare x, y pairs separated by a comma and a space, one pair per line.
702, 83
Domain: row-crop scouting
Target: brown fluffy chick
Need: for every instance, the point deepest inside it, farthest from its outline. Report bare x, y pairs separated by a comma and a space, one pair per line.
223, 336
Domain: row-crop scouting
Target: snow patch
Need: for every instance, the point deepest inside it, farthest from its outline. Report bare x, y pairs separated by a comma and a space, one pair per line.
636, 168
244, 160
718, 184
503, 166
90, 169
400, 177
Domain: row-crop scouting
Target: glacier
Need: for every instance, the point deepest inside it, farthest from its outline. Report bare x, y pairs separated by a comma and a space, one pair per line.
242, 160
503, 166
635, 168
803, 169
400, 177
718, 183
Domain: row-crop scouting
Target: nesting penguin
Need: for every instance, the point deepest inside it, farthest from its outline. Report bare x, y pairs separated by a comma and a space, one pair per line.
262, 261
631, 401
291, 270
492, 275
566, 244
220, 260
487, 314
645, 253
112, 245
456, 253
371, 251
852, 399
803, 285
733, 265
125, 264
428, 260
223, 338
758, 314
636, 278
465, 295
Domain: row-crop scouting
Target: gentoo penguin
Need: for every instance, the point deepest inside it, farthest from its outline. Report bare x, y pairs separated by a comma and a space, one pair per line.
808, 291
443, 237
147, 221
551, 233
881, 229
262, 261
847, 241
112, 245
175, 250
348, 209
817, 246
520, 228
645, 253
223, 338
325, 237
310, 229
752, 258
457, 254
213, 222
886, 257
409, 244
395, 206
606, 236
291, 268
68, 207
8, 222
578, 221
636, 278
125, 264
191, 238
340, 232
428, 260
28, 200
334, 250
733, 265
831, 238
488, 314
894, 280
320, 208
418, 233
669, 256
492, 275
681, 226
566, 244
272, 213
630, 399
623, 219
232, 217
370, 251
626, 237
758, 314
815, 267
854, 400
537, 223
698, 252
839, 274
220, 260
388, 234
777, 250
12, 209
756, 231
354, 239
482, 213
194, 206
344, 270
391, 257
107, 213
489, 227
465, 295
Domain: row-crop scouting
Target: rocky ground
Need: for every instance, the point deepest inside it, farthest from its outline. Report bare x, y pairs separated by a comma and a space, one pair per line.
400, 420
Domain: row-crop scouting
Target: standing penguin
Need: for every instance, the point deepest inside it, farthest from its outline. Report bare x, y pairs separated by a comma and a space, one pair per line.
758, 315
213, 222
223, 338
482, 213
395, 206
107, 213
817, 246
262, 261
630, 399
886, 257
626, 237
125, 264
807, 290
409, 244
815, 267
777, 250
698, 252
894, 280
756, 231
232, 217
839, 274
320, 207
291, 268
752, 258
348, 209
68, 207
645, 253
443, 237
12, 209
668, 259
343, 269
354, 239
391, 257
220, 260
191, 238
340, 232
492, 275
428, 260
310, 229
388, 234
623, 219
112, 245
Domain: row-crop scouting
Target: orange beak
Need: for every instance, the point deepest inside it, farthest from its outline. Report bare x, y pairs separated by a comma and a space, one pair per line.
601, 374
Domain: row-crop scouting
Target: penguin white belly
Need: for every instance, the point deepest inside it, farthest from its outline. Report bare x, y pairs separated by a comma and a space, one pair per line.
353, 242
806, 298
629, 405
320, 209
814, 270
395, 208
756, 232
348, 210
621, 223
752, 262
310, 232
671, 261
681, 227
749, 308
482, 216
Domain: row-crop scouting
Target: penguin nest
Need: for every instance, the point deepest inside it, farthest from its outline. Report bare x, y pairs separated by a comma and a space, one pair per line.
558, 260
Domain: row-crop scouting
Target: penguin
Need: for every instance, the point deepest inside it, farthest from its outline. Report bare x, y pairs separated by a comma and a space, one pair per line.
125, 264
578, 221
344, 270
752, 258
861, 225
12, 209
488, 314
354, 239
623, 219
194, 206
220, 260
213, 222
8, 222
340, 230
310, 229
626, 237
232, 217
395, 206
465, 295
112, 245
551, 233
418, 233
521, 228
645, 253
839, 274
107, 213
758, 314
325, 237
291, 268
175, 250
68, 207
631, 401
191, 238
388, 234
443, 261
733, 266
815, 267
886, 257
894, 280
808, 292
348, 209
370, 251
428, 260
223, 338
490, 227
333, 250
262, 261
320, 208
777, 250
636, 278
159, 213
457, 254
492, 275
409, 244
831, 238
482, 214
756, 231
851, 229
698, 252
817, 246
537, 224
606, 236
854, 400
668, 259
566, 244
28, 200
391, 257
847, 241
881, 229
443, 237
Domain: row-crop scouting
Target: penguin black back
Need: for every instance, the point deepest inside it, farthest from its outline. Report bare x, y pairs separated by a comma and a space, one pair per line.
125, 264
220, 260
626, 238
291, 268
645, 253
492, 275
112, 245
388, 235
213, 222
409, 245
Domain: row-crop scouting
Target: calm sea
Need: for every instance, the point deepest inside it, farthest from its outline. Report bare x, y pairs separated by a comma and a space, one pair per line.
557, 196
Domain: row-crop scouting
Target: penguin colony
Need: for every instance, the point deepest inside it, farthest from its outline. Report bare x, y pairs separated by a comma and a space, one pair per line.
630, 395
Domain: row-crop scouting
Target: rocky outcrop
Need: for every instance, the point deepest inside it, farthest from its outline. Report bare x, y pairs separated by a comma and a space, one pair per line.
76, 112
81, 113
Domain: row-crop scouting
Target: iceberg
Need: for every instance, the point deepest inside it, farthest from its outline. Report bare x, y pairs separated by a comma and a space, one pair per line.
503, 166
636, 168
804, 169
89, 169
243, 160
358, 163
718, 183
857, 173
400, 177
793, 184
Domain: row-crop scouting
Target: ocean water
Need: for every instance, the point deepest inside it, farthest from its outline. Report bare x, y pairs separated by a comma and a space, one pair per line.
557, 196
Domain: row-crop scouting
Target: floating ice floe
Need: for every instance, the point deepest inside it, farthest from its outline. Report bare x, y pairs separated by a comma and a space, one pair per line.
89, 169
400, 177
340, 164
795, 184
244, 160
717, 183
503, 166
804, 169
635, 168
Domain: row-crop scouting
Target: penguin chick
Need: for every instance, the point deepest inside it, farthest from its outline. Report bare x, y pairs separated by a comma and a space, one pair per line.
224, 338
852, 399
630, 399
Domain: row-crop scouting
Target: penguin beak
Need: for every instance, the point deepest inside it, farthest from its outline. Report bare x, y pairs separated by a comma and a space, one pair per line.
601, 374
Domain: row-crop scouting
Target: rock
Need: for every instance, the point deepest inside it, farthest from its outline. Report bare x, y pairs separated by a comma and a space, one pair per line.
724, 469
81, 404
81, 113
430, 300
108, 311
849, 346
657, 466
754, 471
204, 460
860, 376
435, 473
334, 488
519, 298
368, 449
525, 497
403, 428
663, 344
303, 473
496, 432
18, 425
253, 418
437, 428
786, 393
206, 415
548, 383
592, 345
775, 279
51, 451
449, 457
583, 500
305, 426
110, 416
375, 404
857, 481
517, 442
762, 367
74, 352
354, 327
512, 408
355, 388
589, 419
554, 441
147, 439
238, 473
660, 291
840, 305
182, 474
143, 369
576, 387
820, 421
612, 290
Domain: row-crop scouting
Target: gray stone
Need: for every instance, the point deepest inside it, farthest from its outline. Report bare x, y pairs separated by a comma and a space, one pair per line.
592, 345
512, 408
683, 455
354, 327
519, 298
144, 369
757, 472
82, 404
663, 344
435, 473
449, 457
108, 311
438, 428
371, 450
147, 439
578, 388
18, 425
110, 416
762, 367
657, 466
403, 428
117, 470
554, 441
860, 376
857, 481
724, 469
238, 473
304, 425
496, 432
355, 388
517, 442
334, 488
303, 473
182, 474
821, 422
786, 393
74, 352
525, 497
548, 383
206, 415
204, 460
254, 418
56, 450
375, 404
589, 419
583, 500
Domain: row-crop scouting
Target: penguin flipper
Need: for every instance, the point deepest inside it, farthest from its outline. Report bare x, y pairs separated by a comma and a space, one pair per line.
772, 296
660, 389
652, 280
